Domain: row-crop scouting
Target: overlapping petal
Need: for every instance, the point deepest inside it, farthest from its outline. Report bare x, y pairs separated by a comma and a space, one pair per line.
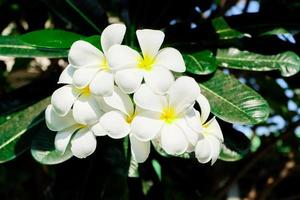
57, 123
63, 98
83, 143
129, 80
63, 137
102, 84
84, 54
66, 77
111, 35
114, 123
150, 41
139, 150
171, 59
121, 56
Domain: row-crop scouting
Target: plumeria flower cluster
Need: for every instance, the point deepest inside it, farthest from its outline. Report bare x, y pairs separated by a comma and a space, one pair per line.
119, 92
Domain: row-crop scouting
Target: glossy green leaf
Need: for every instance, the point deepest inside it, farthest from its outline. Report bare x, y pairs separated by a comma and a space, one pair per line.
224, 31
200, 63
288, 63
13, 46
233, 101
43, 150
50, 38
229, 155
15, 133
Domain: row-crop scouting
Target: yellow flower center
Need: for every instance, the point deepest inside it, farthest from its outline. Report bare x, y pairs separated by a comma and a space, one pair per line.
129, 118
146, 63
85, 91
80, 126
104, 65
168, 115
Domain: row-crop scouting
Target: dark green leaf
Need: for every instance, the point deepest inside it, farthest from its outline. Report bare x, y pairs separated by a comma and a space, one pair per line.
14, 132
43, 150
288, 63
233, 101
224, 31
202, 62
12, 46
51, 38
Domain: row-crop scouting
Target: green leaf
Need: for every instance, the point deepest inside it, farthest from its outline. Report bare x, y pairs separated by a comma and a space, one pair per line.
15, 133
275, 32
288, 63
200, 63
229, 155
233, 101
13, 46
50, 38
224, 31
43, 149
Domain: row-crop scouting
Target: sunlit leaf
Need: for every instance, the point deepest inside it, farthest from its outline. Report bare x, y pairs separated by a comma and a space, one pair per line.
224, 31
233, 101
15, 137
229, 155
202, 62
13, 46
288, 63
43, 149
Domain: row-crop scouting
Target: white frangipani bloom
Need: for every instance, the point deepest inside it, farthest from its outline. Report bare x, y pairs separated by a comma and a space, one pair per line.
153, 66
85, 106
88, 65
117, 123
209, 146
164, 117
83, 143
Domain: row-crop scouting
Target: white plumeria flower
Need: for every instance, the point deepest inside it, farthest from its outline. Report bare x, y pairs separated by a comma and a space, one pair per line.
83, 143
209, 146
88, 65
84, 105
153, 66
164, 118
117, 123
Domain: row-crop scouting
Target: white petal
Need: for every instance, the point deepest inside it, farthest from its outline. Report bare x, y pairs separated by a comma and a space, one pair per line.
189, 133
213, 128
171, 59
147, 99
215, 147
121, 56
173, 140
66, 77
159, 79
83, 76
183, 93
120, 101
204, 106
63, 98
203, 151
129, 80
112, 34
86, 110
83, 53
192, 117
102, 84
83, 143
114, 123
55, 122
150, 41
98, 130
146, 125
139, 150
62, 138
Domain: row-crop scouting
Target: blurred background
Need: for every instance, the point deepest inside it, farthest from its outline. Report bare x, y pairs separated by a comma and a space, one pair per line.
268, 163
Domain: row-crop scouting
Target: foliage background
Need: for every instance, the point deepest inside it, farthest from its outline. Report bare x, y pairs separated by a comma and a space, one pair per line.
270, 165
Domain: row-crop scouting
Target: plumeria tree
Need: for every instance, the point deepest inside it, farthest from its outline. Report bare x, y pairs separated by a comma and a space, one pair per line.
140, 96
